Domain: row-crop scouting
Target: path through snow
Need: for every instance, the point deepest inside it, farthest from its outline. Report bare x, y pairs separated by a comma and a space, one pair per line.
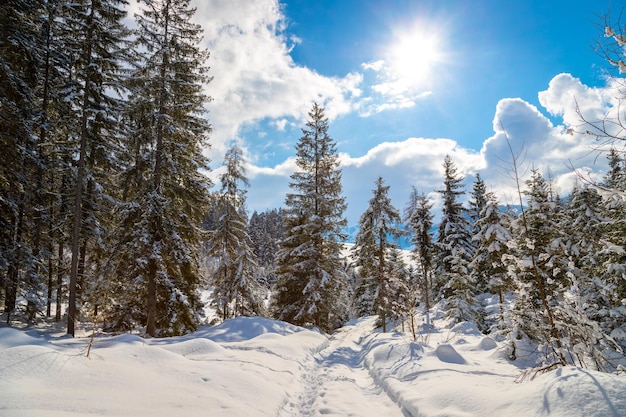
336, 382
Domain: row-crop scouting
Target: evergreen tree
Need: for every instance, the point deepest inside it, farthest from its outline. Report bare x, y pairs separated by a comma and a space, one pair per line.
540, 272
157, 243
491, 238
20, 59
373, 251
615, 178
478, 201
455, 249
403, 296
266, 232
311, 278
419, 218
53, 110
95, 41
613, 256
588, 304
236, 291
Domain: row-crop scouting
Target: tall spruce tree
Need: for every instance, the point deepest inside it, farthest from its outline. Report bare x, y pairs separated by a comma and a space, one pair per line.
493, 232
374, 252
538, 272
266, 232
311, 277
455, 249
478, 201
613, 256
54, 119
419, 218
20, 59
95, 41
236, 291
157, 244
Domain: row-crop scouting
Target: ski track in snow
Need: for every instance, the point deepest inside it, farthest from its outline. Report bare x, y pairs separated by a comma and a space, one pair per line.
338, 368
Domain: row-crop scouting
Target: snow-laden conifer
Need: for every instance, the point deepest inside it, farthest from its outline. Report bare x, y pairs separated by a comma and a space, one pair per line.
454, 249
419, 218
491, 238
95, 37
236, 291
157, 243
20, 58
381, 276
311, 278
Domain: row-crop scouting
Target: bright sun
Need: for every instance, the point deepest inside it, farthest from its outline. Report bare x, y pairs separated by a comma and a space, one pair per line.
413, 56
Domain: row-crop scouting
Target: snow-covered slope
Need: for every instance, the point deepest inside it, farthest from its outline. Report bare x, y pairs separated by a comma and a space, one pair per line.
260, 367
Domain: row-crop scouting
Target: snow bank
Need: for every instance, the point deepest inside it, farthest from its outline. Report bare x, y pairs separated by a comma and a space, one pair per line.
260, 367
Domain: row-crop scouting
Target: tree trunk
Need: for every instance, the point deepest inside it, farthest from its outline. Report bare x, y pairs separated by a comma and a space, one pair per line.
13, 273
381, 279
78, 197
151, 300
49, 288
59, 286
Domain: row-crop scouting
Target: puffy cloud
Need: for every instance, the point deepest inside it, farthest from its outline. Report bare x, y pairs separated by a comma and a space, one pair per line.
568, 98
412, 162
535, 143
255, 77
522, 134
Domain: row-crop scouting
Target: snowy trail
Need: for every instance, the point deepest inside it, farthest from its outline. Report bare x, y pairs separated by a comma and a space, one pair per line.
336, 382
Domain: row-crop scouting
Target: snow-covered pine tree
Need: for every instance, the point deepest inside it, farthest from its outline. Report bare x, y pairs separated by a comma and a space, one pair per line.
492, 236
373, 249
236, 291
311, 276
419, 218
266, 232
613, 254
20, 60
158, 240
54, 167
616, 177
538, 265
478, 199
454, 250
95, 38
586, 307
403, 297
477, 203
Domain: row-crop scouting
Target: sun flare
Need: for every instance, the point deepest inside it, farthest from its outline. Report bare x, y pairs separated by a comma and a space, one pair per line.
414, 55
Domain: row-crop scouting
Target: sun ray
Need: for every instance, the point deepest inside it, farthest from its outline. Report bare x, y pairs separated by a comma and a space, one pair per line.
414, 55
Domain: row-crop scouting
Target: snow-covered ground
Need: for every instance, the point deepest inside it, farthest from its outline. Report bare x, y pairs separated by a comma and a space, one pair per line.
258, 367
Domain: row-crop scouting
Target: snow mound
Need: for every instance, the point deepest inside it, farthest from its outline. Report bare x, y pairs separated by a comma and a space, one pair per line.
122, 339
590, 393
10, 337
447, 353
195, 348
245, 328
466, 328
487, 343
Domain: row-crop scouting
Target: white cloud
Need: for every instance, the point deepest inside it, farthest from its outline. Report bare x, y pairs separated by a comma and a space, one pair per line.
280, 124
374, 65
565, 93
254, 75
535, 141
256, 79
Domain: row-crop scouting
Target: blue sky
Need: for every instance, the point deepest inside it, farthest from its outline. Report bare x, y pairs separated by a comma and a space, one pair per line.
404, 83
